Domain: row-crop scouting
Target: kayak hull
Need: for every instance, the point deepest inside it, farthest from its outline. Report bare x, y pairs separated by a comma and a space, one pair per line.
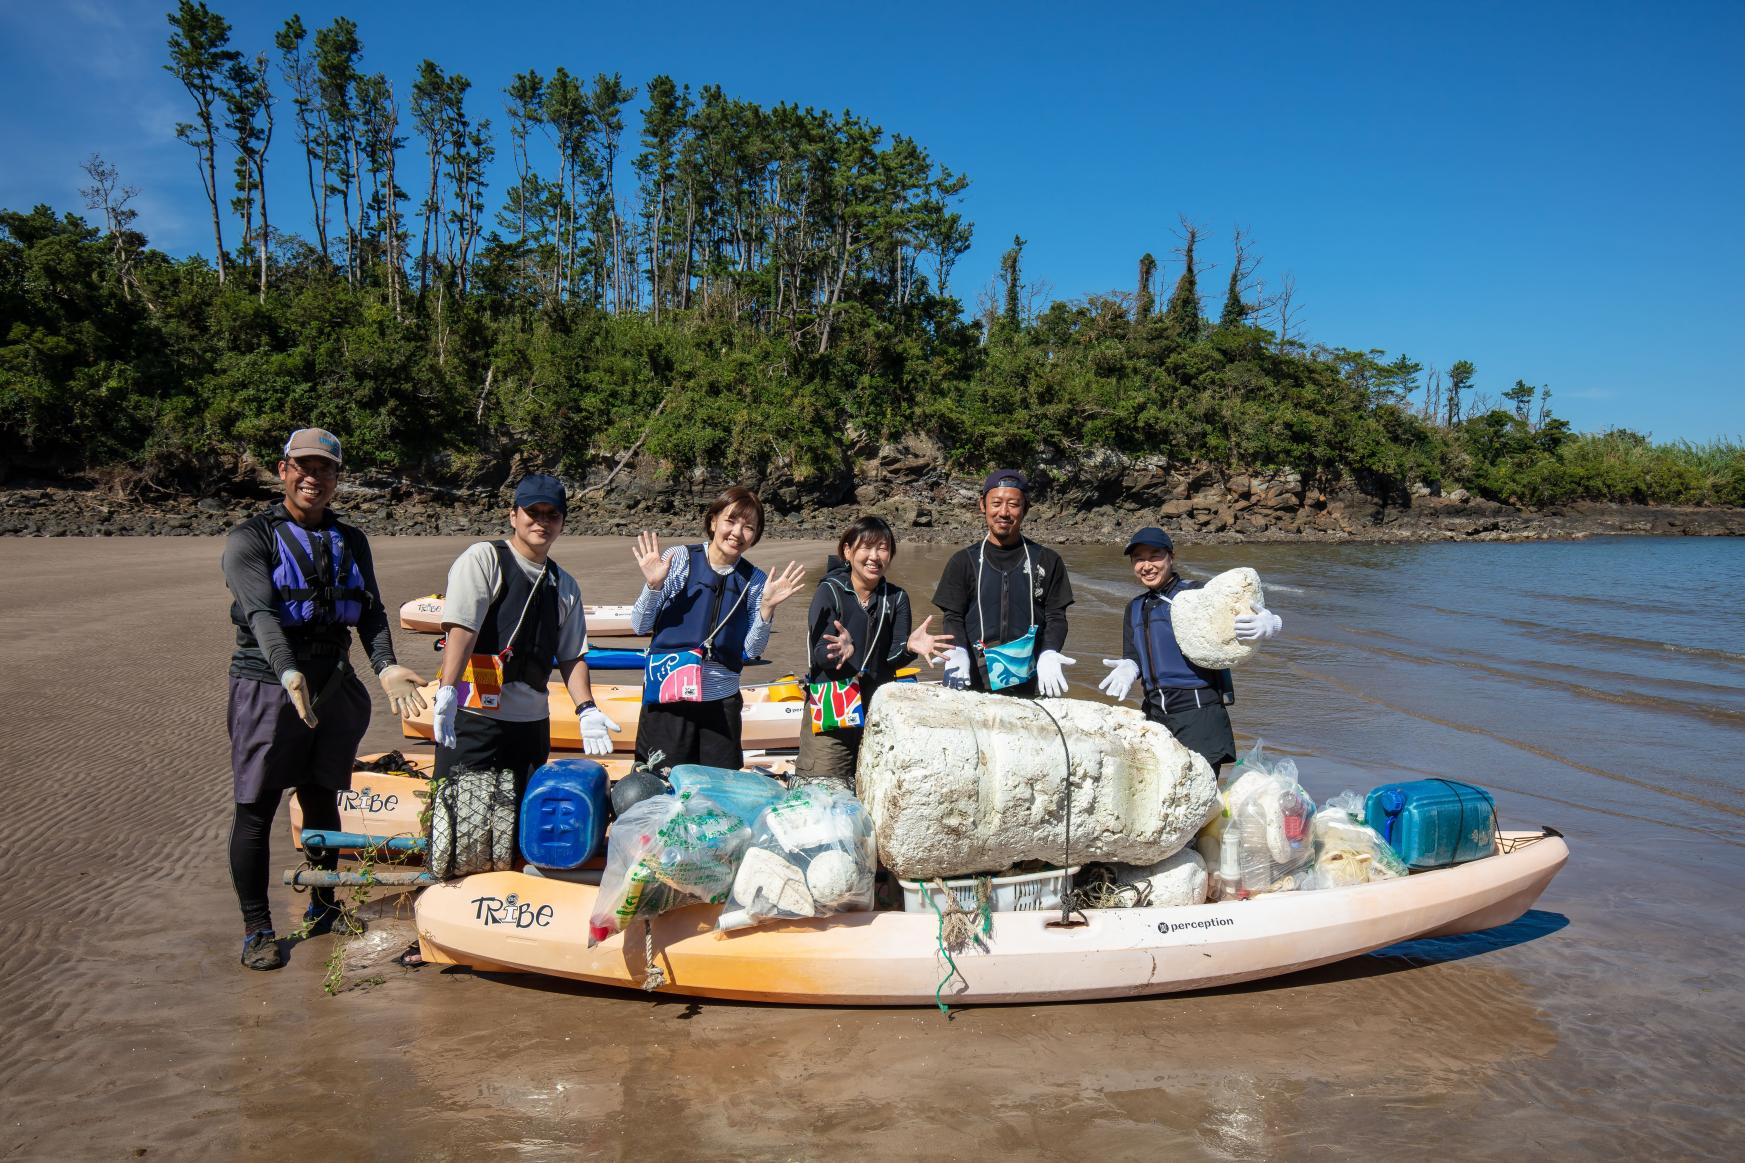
424, 616
772, 717
511, 921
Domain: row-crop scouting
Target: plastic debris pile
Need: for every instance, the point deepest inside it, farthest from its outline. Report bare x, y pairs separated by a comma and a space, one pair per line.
811, 855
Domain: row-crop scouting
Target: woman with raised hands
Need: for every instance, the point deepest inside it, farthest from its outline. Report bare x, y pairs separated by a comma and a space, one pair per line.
707, 611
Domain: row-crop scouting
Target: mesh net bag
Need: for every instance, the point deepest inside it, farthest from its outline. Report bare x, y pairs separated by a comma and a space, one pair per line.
472, 823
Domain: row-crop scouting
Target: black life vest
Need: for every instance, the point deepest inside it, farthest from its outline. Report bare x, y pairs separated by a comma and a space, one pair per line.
521, 625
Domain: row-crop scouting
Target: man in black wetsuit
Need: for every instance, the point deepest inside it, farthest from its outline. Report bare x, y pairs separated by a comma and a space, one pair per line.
1007, 597
301, 581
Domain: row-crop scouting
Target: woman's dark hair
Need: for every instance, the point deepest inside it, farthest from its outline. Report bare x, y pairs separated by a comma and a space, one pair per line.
735, 497
863, 528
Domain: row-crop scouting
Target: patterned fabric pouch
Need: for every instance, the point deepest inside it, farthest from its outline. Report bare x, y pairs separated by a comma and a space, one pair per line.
1010, 663
834, 703
675, 677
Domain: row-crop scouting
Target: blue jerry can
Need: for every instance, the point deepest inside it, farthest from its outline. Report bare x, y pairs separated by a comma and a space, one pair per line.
1433, 823
563, 814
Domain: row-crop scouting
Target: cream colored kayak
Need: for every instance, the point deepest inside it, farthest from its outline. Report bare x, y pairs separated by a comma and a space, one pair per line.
511, 921
771, 719
425, 616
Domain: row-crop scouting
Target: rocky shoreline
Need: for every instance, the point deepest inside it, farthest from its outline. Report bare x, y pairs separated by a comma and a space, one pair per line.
1098, 500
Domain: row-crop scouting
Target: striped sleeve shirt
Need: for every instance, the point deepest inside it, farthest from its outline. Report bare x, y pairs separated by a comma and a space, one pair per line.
718, 682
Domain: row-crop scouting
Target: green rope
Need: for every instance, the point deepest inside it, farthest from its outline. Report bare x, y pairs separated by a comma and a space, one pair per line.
939, 937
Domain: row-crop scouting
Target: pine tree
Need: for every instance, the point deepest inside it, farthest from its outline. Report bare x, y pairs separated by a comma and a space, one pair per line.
1183, 312
1144, 302
1010, 276
200, 59
1460, 378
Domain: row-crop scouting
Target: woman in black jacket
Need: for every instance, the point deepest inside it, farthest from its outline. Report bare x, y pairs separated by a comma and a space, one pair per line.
858, 636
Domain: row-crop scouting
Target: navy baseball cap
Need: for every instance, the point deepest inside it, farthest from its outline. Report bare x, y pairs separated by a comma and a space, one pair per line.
1154, 537
1006, 478
540, 489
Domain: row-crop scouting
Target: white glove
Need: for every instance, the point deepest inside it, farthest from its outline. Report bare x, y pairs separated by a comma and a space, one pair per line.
1119, 680
956, 674
1051, 678
297, 686
597, 730
1263, 623
442, 717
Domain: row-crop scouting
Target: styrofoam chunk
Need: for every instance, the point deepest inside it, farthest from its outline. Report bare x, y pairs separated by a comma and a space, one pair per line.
1175, 880
764, 874
1204, 619
833, 875
959, 782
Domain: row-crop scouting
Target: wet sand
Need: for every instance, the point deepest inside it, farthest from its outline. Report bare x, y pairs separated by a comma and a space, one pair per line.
1605, 1024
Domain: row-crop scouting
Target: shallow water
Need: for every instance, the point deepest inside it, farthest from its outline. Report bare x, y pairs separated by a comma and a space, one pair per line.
1597, 686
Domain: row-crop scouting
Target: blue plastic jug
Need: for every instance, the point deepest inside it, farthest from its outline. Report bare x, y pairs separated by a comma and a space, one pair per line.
1433, 823
743, 793
563, 814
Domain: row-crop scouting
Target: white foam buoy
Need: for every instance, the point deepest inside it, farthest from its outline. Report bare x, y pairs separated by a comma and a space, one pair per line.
834, 876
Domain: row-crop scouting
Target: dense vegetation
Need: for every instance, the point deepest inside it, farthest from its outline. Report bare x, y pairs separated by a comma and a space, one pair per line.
764, 290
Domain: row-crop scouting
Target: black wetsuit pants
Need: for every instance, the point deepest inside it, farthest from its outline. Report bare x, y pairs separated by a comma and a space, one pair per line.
251, 850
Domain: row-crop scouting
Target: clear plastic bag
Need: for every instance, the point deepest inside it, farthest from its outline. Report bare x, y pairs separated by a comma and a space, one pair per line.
812, 854
1347, 850
1261, 840
664, 853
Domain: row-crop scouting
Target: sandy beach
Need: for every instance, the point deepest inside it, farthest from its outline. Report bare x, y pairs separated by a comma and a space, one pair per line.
1605, 1024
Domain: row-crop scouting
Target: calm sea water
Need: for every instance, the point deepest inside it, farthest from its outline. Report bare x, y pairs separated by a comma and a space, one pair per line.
1588, 683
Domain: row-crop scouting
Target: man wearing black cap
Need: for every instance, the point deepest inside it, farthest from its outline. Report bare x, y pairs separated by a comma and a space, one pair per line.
1185, 697
1007, 597
509, 615
301, 581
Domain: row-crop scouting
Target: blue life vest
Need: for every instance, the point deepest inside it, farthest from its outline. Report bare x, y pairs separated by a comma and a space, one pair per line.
316, 580
710, 602
523, 619
1162, 666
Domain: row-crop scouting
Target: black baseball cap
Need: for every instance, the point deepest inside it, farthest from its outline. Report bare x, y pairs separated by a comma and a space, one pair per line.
1154, 537
1006, 478
539, 489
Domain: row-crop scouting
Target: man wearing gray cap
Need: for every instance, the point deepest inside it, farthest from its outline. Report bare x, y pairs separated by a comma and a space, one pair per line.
509, 615
1182, 695
301, 581
1007, 597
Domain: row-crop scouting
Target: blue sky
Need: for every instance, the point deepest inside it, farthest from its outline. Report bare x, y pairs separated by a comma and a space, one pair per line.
1550, 190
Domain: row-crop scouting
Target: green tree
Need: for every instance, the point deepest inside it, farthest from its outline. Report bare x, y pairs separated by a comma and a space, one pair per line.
1182, 316
1460, 377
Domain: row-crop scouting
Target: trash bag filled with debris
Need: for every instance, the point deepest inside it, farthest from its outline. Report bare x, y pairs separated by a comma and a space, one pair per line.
664, 853
1261, 841
811, 855
1347, 850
